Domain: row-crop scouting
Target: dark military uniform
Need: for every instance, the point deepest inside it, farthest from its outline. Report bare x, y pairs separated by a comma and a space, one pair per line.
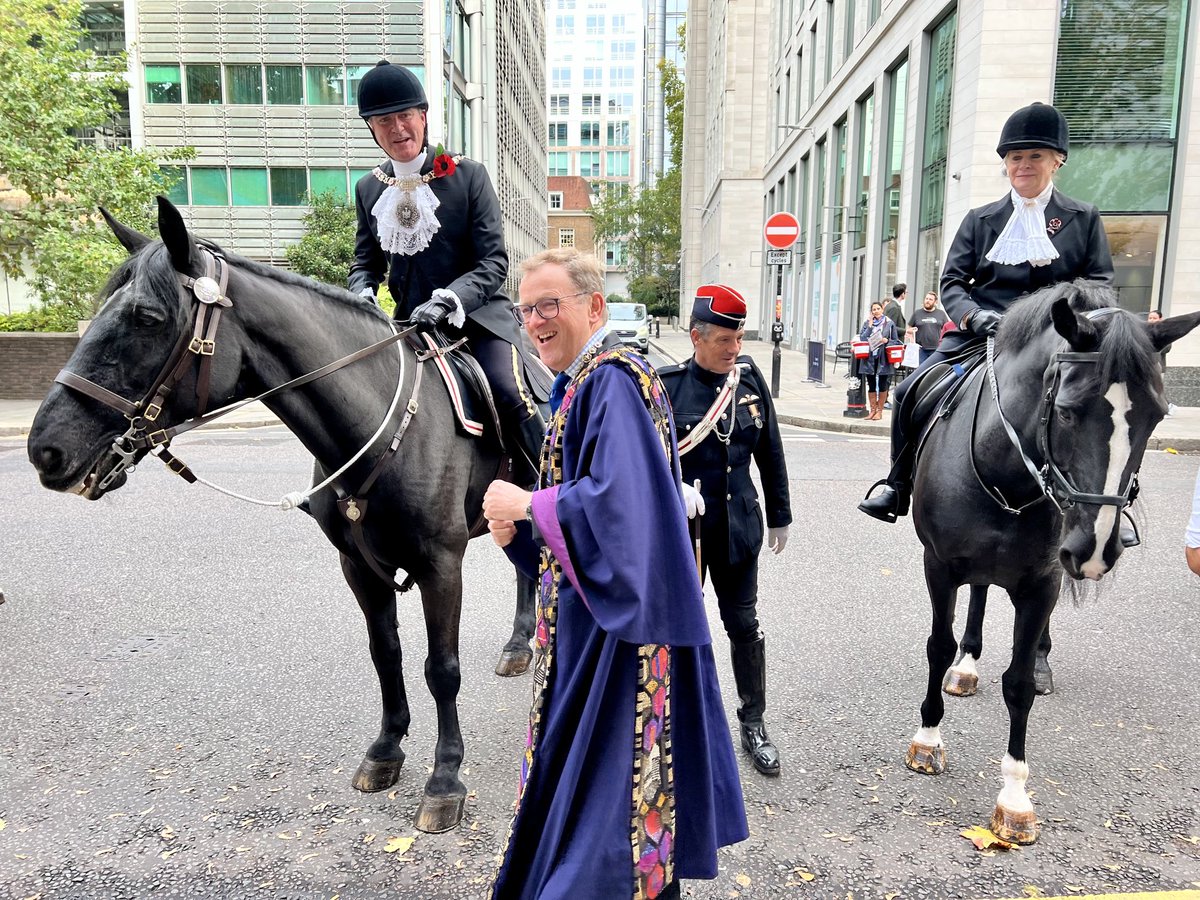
731, 529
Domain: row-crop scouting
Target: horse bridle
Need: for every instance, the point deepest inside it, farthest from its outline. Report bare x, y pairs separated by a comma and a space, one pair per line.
208, 292
1054, 483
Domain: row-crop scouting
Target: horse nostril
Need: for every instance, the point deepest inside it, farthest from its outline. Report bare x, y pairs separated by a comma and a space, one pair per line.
48, 459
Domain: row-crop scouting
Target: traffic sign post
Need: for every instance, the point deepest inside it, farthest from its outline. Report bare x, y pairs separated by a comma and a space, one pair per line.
780, 232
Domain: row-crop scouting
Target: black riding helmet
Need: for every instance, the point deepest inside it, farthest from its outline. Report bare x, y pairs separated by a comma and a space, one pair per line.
1036, 125
388, 89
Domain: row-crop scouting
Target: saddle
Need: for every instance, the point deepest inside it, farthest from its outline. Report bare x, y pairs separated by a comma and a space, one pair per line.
935, 392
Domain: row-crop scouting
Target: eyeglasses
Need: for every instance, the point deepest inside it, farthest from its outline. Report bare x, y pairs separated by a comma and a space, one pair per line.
547, 307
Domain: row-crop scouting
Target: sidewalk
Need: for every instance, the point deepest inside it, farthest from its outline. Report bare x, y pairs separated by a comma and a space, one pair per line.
800, 402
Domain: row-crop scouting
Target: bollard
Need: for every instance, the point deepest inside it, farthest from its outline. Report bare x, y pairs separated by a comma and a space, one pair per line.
856, 400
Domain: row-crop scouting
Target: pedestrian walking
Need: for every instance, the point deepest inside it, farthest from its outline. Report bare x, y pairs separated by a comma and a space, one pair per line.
629, 781
718, 438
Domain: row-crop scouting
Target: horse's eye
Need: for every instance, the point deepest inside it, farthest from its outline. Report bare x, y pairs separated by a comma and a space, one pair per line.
1066, 416
147, 318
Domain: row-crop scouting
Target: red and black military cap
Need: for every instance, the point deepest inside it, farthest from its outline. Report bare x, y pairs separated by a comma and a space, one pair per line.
720, 305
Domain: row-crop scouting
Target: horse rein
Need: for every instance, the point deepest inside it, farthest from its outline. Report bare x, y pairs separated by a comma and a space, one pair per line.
1053, 482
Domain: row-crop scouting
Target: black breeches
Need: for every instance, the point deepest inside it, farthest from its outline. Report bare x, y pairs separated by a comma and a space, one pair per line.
736, 587
899, 438
500, 363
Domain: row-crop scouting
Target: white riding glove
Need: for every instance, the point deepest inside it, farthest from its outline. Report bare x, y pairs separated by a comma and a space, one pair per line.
777, 538
368, 293
693, 500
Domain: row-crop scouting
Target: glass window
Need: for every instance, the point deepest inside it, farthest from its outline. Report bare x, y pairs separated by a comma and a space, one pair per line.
566, 237
591, 104
285, 86
1137, 244
560, 76
164, 84
933, 165
357, 174
593, 76
616, 163
893, 175
839, 181
828, 37
104, 28
620, 76
559, 162
203, 84
564, 25
176, 178
558, 134
618, 134
556, 200
243, 84
819, 206
866, 140
324, 88
560, 104
354, 75
1122, 177
589, 134
614, 253
589, 163
621, 49
210, 186
618, 24
249, 187
288, 186
595, 24
328, 181
620, 103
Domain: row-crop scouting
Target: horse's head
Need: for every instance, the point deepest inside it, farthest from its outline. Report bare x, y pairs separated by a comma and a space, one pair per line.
1102, 396
79, 439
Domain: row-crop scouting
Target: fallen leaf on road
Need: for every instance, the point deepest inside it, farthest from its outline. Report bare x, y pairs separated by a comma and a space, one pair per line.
167, 854
367, 838
3, 824
105, 850
1108, 823
892, 896
398, 845
805, 875
1112, 867
743, 880
392, 795
984, 839
768, 811
1190, 839
885, 571
1074, 888
1171, 450
1031, 890
308, 856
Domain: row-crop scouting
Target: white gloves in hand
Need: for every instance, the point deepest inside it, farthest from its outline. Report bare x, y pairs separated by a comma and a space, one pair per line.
777, 538
368, 293
693, 500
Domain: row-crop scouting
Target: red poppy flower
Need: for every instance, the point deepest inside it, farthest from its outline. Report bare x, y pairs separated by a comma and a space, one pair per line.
444, 165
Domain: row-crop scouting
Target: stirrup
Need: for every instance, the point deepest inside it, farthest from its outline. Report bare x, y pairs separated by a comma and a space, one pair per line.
1130, 537
883, 507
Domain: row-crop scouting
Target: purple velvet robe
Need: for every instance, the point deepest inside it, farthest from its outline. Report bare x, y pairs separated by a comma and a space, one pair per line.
629, 779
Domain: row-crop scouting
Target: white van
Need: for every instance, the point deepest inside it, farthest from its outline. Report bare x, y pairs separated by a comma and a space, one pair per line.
629, 322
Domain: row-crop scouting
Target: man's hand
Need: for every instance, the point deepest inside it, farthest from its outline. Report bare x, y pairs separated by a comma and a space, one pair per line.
503, 532
505, 502
431, 313
984, 322
692, 499
777, 538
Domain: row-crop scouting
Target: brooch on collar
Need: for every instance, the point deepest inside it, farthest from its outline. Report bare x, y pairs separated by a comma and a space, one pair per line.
1053, 226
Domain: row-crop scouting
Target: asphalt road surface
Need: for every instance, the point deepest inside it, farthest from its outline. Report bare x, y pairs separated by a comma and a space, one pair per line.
185, 692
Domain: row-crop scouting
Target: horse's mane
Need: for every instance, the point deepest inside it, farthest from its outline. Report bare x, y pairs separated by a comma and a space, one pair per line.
153, 263
1126, 352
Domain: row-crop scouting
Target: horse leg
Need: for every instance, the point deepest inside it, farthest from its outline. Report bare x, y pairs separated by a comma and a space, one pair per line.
380, 767
962, 680
1013, 818
926, 753
517, 654
445, 795
1043, 678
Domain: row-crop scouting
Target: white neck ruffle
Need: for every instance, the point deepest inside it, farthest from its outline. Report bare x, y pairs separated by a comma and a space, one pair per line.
405, 213
1024, 238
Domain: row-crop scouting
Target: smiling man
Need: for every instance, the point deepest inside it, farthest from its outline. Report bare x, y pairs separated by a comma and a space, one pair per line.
628, 781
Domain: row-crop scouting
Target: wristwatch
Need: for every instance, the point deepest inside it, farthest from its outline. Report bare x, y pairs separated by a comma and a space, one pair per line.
529, 512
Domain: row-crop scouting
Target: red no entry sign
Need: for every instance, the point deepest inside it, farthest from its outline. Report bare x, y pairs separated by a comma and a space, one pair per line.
781, 230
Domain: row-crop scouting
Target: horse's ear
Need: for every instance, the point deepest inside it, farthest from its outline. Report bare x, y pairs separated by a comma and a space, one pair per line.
1079, 331
174, 235
131, 239
1167, 331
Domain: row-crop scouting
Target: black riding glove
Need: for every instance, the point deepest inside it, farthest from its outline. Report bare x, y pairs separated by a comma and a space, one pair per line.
432, 313
984, 322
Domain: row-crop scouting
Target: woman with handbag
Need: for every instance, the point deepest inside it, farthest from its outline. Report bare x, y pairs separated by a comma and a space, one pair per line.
876, 369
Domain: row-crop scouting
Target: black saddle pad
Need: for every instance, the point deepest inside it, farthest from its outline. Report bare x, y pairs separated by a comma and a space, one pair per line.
935, 387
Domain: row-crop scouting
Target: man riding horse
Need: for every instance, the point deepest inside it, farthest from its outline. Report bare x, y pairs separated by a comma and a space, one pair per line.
432, 226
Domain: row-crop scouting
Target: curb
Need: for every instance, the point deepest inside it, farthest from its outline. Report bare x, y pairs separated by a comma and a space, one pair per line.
850, 426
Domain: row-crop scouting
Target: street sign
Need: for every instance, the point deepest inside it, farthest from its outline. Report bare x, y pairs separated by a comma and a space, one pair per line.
779, 257
782, 230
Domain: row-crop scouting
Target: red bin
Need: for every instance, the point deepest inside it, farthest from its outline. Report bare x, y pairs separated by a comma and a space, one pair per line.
895, 354
861, 349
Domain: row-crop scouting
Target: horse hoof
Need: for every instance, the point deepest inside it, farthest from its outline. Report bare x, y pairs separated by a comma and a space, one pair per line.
377, 774
438, 814
1017, 828
925, 759
514, 662
1043, 681
960, 684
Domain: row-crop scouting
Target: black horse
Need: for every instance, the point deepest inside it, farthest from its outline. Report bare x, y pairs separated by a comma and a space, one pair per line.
277, 326
1024, 480
962, 678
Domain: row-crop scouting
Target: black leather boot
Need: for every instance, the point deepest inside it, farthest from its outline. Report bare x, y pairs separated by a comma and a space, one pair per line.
890, 503
1129, 533
750, 674
528, 436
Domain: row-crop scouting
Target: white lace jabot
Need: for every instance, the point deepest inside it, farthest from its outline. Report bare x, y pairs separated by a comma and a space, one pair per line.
405, 212
1024, 239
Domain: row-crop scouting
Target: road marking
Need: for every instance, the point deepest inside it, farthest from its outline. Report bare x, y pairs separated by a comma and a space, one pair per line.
1143, 895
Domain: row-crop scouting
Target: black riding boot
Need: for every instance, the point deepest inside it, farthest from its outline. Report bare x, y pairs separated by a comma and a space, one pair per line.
528, 435
892, 501
750, 674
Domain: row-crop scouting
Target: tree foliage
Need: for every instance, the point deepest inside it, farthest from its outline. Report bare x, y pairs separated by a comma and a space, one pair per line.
327, 249
54, 89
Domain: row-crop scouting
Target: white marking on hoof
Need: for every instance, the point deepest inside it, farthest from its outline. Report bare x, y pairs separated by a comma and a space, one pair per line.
1013, 796
1118, 457
928, 737
966, 665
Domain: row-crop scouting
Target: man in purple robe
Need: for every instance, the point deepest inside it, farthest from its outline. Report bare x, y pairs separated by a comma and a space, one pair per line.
629, 781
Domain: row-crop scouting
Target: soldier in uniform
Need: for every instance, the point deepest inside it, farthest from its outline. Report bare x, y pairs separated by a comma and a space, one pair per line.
723, 418
432, 228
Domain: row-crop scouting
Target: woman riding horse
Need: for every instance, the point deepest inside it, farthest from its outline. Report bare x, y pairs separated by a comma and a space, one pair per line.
1033, 237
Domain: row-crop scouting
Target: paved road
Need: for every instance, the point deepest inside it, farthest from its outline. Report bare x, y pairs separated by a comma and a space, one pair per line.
186, 691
